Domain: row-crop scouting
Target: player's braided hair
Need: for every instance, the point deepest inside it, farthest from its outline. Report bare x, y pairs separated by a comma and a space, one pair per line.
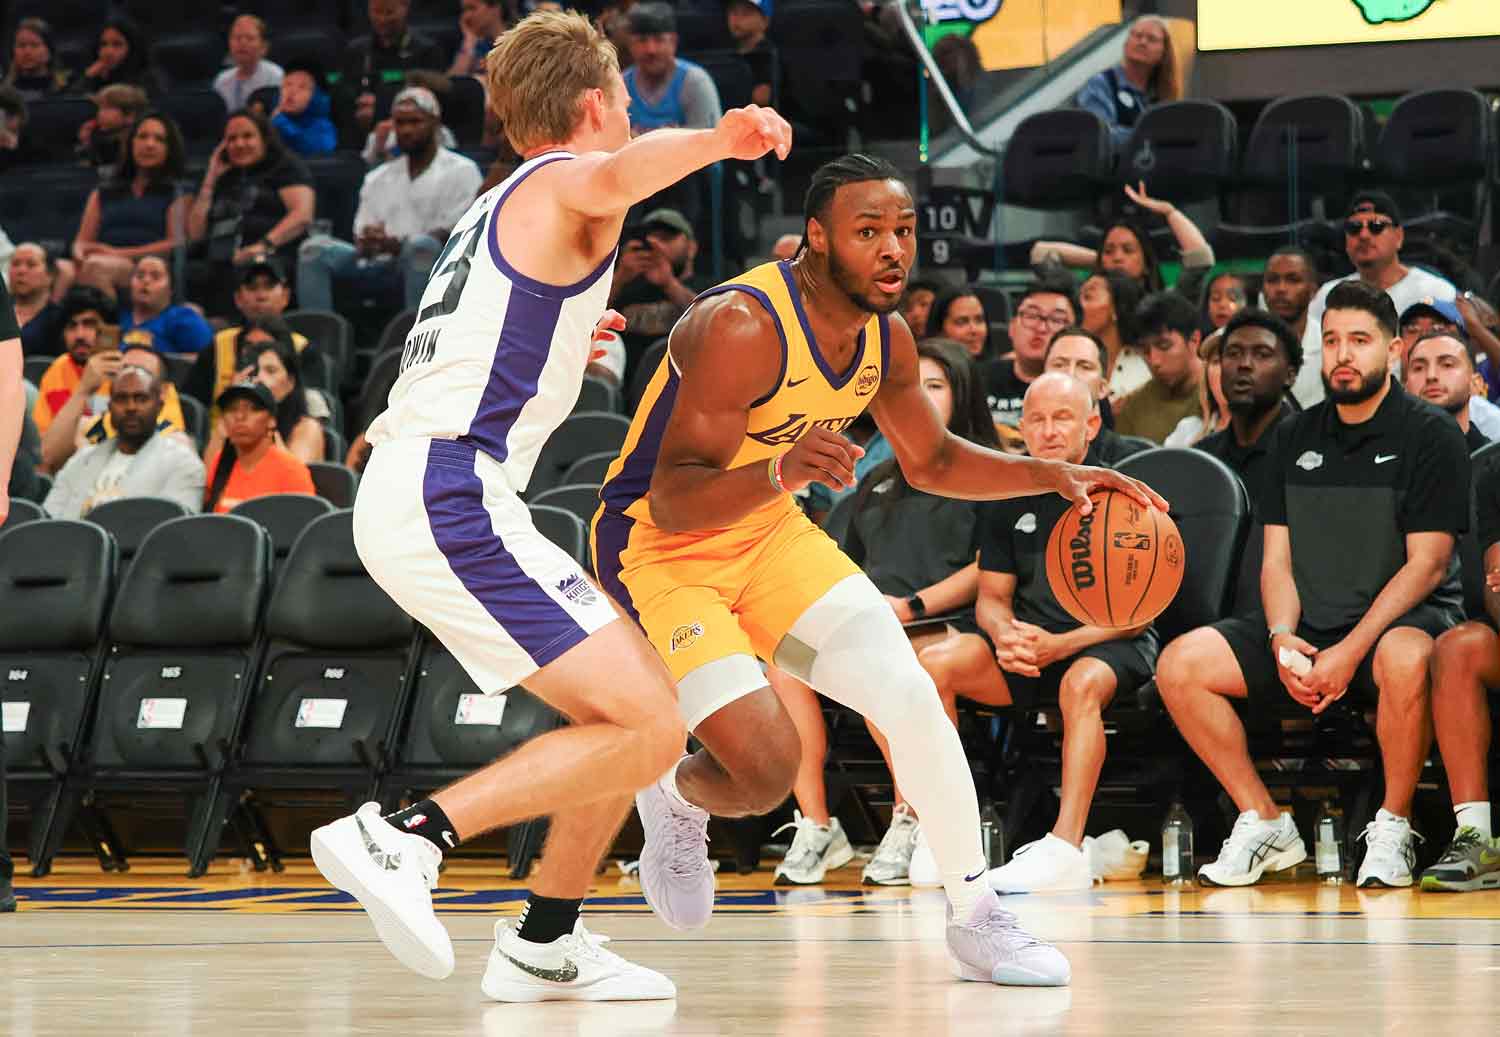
855, 168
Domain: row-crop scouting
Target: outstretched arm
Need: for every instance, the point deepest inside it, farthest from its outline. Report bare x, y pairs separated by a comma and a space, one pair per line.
936, 461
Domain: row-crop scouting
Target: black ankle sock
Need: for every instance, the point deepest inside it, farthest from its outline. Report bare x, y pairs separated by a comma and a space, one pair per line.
544, 919
426, 818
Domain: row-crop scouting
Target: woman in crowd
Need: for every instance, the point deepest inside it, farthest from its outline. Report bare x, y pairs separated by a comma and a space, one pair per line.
249, 70
256, 200
139, 211
122, 56
268, 355
958, 314
919, 550
1108, 301
1226, 296
1213, 415
34, 69
251, 462
1147, 75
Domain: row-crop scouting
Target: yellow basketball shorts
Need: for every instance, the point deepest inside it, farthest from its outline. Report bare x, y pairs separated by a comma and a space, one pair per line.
702, 597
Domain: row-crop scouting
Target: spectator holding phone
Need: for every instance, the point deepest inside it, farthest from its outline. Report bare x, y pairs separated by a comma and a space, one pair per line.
654, 280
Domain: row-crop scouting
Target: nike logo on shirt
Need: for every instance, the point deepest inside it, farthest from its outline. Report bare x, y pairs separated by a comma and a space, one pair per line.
1383, 458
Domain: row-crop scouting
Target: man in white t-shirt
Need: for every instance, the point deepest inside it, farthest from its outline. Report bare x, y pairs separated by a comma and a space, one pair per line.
407, 206
1372, 239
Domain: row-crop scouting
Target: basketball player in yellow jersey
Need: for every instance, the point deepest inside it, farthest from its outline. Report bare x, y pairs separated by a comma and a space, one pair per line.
700, 540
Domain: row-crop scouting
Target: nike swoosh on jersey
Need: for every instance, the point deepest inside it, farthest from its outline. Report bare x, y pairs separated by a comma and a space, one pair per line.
1383, 458
382, 858
792, 384
567, 974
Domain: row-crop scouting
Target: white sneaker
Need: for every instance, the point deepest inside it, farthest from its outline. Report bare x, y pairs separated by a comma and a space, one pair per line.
392, 874
1113, 856
815, 851
676, 879
991, 947
923, 872
1253, 848
1390, 851
892, 861
575, 967
1049, 865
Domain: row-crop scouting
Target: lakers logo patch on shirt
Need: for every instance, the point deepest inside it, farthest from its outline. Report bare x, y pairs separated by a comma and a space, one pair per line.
685, 636
1309, 460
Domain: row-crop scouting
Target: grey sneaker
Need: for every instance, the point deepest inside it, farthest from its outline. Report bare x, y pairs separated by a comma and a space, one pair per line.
675, 875
991, 947
1471, 862
814, 852
892, 861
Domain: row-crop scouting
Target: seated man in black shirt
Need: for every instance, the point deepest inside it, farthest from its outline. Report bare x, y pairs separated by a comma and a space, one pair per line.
1465, 663
1079, 352
1022, 646
748, 22
1440, 369
1259, 360
654, 280
1047, 305
1366, 494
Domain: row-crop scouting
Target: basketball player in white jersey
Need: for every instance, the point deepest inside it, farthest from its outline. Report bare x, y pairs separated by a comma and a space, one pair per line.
491, 367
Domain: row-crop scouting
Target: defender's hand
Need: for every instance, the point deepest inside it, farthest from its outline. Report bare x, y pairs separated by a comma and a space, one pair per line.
748, 133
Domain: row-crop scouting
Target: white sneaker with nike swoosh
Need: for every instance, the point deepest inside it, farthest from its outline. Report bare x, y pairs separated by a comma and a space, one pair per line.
392, 874
1253, 848
575, 967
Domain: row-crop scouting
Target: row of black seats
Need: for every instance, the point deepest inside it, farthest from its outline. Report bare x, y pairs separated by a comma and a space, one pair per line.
205, 676
1433, 141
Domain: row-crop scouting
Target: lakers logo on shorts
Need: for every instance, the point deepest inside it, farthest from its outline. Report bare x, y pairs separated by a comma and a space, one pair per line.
685, 636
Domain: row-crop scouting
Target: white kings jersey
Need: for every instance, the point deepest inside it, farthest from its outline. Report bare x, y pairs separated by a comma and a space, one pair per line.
494, 358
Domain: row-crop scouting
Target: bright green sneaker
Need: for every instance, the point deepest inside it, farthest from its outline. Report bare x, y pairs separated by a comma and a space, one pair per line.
1471, 862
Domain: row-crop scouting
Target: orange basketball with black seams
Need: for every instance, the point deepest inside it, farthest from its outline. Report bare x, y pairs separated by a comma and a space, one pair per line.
1118, 566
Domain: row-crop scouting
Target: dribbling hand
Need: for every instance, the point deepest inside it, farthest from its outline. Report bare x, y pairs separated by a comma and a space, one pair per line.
748, 133
820, 456
1076, 482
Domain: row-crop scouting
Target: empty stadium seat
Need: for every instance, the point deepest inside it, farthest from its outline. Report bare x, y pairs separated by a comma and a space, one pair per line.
55, 583
1436, 150
33, 367
182, 645
44, 203
132, 519
583, 433
1470, 551
730, 73
329, 694
590, 470
188, 59
597, 394
375, 390
335, 449
52, 124
195, 415
332, 334
702, 28
1059, 159
284, 516
645, 370
21, 512
1184, 150
821, 71
337, 179
395, 332
315, 40
580, 499
463, 112
564, 529
200, 115
334, 482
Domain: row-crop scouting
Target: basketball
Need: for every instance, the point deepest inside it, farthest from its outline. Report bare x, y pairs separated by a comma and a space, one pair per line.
1118, 566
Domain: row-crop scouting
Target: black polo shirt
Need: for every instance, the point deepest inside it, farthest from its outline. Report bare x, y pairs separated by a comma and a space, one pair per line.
1487, 506
1350, 494
1012, 538
1474, 438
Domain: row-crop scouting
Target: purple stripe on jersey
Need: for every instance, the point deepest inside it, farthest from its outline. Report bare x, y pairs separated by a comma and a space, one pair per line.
635, 474
611, 535
520, 357
837, 381
520, 280
885, 344
464, 532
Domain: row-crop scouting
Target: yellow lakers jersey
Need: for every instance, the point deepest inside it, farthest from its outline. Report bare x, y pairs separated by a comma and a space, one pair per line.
807, 393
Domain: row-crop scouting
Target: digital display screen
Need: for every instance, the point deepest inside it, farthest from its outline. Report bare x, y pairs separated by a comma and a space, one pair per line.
1252, 24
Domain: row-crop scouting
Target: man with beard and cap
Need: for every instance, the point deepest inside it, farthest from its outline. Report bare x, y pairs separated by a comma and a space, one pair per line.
654, 279
1440, 370
1429, 316
1366, 495
700, 540
137, 461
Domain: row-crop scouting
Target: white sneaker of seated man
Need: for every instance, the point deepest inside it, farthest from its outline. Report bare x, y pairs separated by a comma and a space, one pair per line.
675, 875
1390, 852
991, 947
1048, 865
815, 851
392, 874
575, 967
1254, 847
1114, 857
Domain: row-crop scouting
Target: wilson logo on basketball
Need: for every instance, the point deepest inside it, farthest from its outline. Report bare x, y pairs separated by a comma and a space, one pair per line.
685, 636
869, 380
1081, 545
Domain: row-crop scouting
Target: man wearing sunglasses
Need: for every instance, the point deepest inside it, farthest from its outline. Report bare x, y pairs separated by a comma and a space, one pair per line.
1372, 239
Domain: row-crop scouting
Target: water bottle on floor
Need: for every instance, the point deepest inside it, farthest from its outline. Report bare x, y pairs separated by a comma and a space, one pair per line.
1177, 847
1328, 847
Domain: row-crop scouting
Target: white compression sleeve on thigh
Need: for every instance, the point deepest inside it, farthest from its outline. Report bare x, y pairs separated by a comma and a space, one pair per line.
865, 661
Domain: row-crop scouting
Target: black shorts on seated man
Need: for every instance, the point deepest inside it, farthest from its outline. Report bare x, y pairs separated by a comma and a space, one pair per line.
1367, 494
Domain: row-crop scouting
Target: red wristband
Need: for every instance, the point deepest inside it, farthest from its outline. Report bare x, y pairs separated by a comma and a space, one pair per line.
776, 473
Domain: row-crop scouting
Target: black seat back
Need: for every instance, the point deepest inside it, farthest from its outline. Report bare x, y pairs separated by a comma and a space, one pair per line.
182, 634
201, 116
590, 470
1057, 159
284, 516
334, 482
1184, 150
52, 123
597, 394
583, 433
336, 662
730, 73
131, 520
1328, 131
564, 529
1212, 512
1435, 136
579, 498
1484, 465
56, 578
22, 511
196, 417
645, 370
331, 333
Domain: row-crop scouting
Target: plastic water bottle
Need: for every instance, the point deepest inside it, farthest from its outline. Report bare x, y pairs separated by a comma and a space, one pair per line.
1177, 847
992, 836
1328, 847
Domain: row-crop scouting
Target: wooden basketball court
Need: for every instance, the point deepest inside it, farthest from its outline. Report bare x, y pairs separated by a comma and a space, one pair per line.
240, 952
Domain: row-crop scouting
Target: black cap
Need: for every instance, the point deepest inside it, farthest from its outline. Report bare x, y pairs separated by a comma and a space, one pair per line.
261, 265
651, 18
1379, 201
255, 392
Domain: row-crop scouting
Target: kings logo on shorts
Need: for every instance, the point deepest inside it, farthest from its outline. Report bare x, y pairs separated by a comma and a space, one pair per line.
577, 590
